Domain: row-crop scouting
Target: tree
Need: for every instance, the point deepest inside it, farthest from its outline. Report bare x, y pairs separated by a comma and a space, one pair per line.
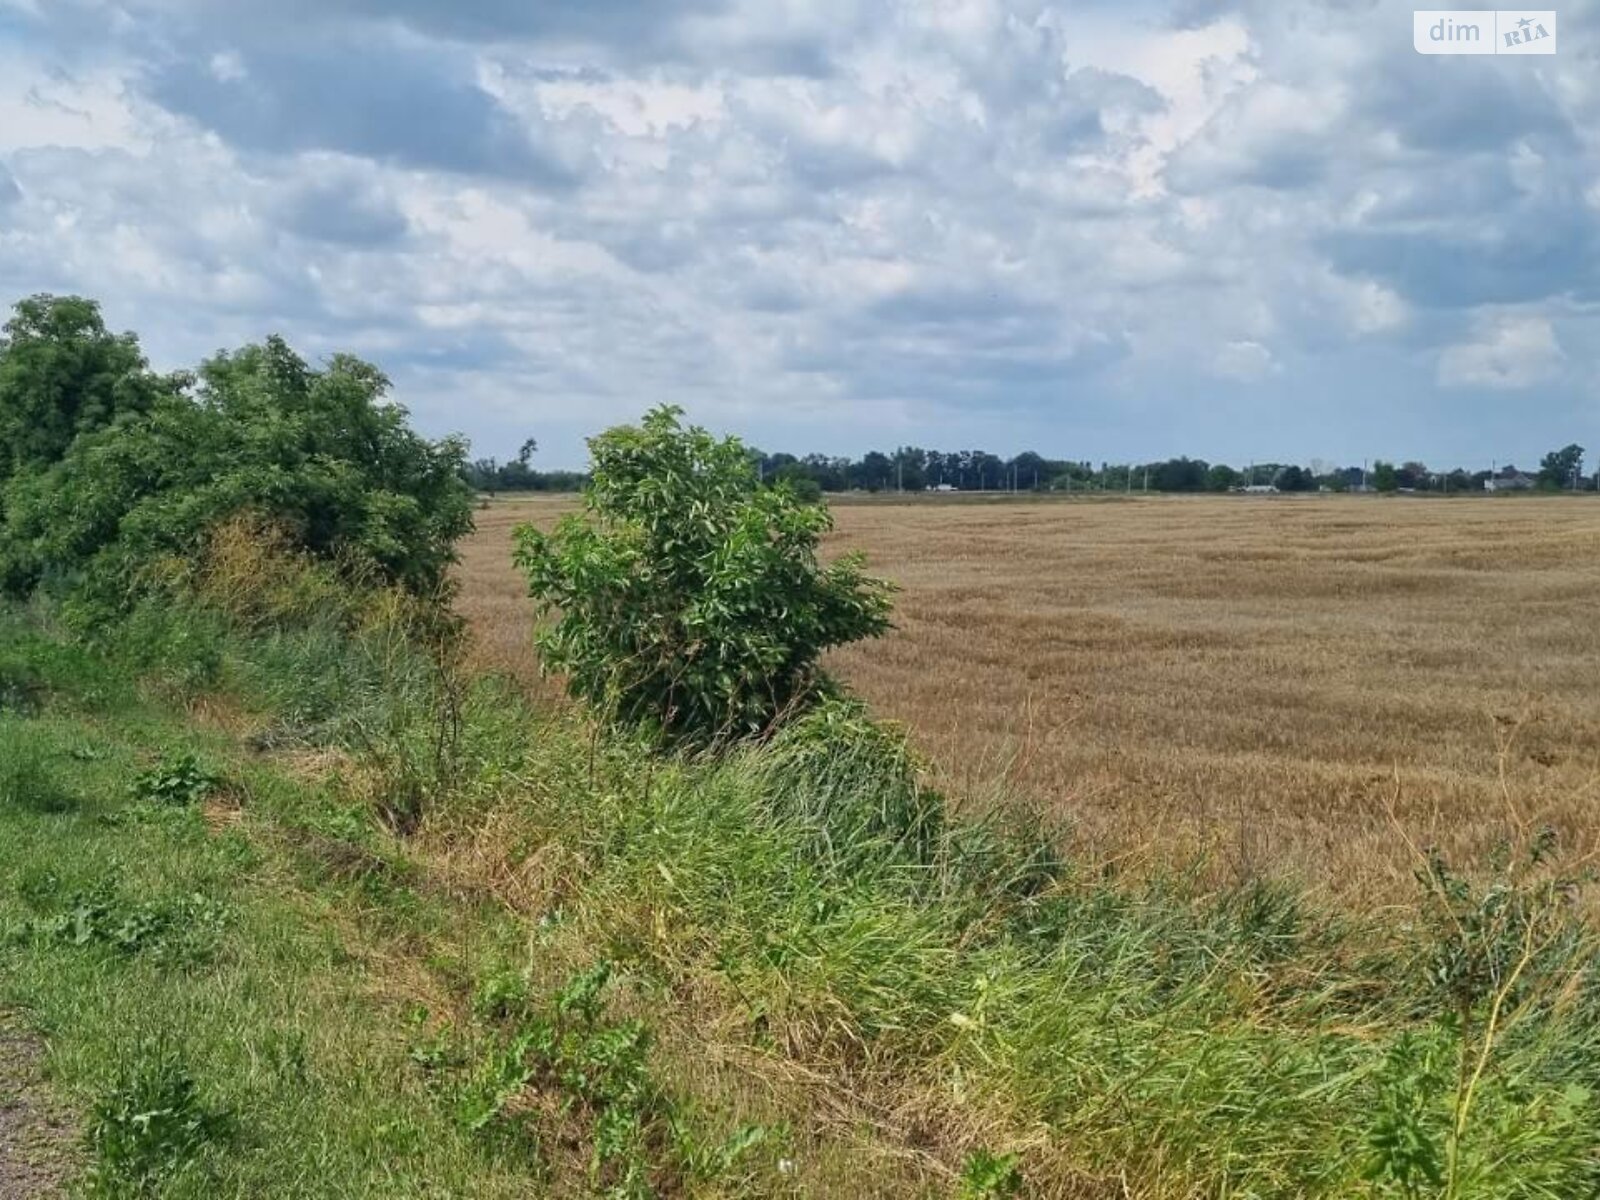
1179, 475
1221, 478
62, 374
830, 474
1029, 471
1295, 479
1384, 477
911, 469
320, 455
875, 472
1561, 468
691, 603
793, 476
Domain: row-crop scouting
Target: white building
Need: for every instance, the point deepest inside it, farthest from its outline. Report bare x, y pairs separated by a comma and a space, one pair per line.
1509, 480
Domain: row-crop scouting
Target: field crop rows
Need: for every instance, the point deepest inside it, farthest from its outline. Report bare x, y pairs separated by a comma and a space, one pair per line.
1277, 686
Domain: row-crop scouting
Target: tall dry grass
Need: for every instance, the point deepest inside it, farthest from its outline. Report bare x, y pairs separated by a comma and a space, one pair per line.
1279, 686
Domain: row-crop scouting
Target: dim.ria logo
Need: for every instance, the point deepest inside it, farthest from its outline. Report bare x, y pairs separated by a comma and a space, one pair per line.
1484, 31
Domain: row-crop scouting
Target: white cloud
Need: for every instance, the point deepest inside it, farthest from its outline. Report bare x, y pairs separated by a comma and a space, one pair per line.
1247, 362
1507, 352
937, 220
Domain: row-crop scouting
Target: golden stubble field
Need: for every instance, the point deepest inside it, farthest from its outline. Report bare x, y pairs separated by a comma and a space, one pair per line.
1282, 686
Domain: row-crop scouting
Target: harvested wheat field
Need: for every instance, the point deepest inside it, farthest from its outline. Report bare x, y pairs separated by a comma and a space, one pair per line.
1282, 686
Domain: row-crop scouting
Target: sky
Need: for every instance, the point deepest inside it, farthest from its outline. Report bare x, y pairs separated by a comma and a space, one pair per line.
1264, 231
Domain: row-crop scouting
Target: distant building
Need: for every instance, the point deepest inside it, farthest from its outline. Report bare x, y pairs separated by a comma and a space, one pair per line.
1509, 479
943, 487
1260, 489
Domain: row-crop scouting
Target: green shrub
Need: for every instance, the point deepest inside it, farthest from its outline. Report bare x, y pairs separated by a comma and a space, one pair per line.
168, 644
691, 600
319, 454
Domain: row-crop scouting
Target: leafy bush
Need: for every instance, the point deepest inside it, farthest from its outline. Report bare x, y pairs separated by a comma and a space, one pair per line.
318, 454
691, 600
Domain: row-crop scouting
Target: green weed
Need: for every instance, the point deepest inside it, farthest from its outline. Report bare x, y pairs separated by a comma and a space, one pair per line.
177, 780
597, 1073
184, 930
988, 1176
148, 1131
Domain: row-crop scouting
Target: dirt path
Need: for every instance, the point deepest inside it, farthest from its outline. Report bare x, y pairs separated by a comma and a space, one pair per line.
36, 1141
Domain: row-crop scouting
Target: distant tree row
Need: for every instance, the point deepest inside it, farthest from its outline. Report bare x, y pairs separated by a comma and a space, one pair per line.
490, 475
912, 469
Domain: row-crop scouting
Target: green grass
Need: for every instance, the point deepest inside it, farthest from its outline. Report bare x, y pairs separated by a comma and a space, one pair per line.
158, 954
789, 970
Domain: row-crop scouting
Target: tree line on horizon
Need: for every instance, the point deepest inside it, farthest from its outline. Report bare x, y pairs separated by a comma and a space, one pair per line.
913, 469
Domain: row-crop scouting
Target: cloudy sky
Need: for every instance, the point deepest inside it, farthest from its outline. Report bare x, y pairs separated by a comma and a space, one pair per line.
1257, 230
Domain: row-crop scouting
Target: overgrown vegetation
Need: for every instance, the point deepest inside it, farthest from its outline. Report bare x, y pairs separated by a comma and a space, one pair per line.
307, 910
153, 464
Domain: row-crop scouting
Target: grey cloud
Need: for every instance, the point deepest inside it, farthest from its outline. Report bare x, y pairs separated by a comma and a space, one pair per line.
1456, 105
1289, 165
1465, 189
614, 22
734, 34
1544, 255
10, 193
373, 100
1267, 145
966, 342
341, 211
1087, 96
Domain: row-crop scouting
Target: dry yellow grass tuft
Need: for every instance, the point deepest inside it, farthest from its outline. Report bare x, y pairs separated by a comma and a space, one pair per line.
1255, 683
